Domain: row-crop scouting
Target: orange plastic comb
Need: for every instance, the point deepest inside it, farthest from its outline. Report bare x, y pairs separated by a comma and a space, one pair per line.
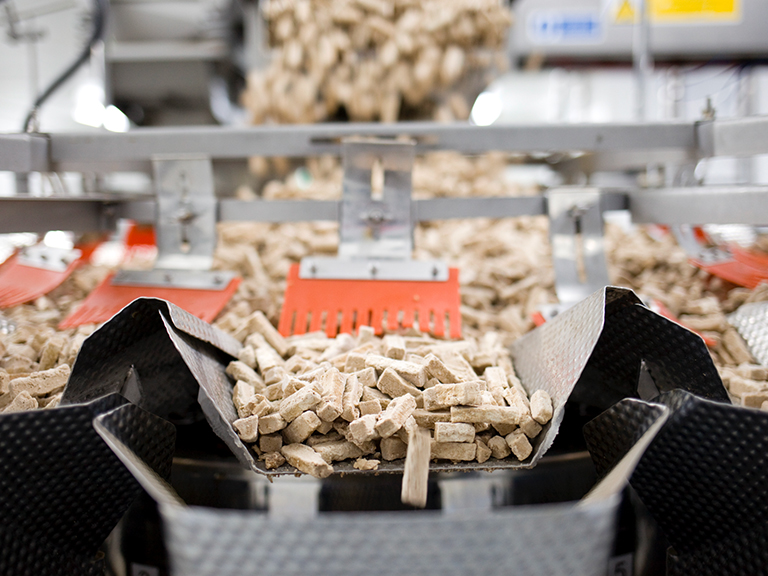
108, 299
344, 305
33, 272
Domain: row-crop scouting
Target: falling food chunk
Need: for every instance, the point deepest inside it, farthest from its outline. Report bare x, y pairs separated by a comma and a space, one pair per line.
416, 472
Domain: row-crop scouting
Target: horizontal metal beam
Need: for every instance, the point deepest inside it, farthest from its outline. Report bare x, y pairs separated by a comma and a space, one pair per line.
89, 151
736, 137
278, 210
23, 153
490, 207
697, 205
39, 215
700, 205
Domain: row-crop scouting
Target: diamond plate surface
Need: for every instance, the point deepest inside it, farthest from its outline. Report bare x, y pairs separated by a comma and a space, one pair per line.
751, 321
554, 356
703, 478
137, 337
675, 357
554, 540
62, 490
610, 436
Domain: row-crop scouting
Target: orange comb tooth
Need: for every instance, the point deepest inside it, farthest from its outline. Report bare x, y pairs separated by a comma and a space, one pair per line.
347, 317
439, 329
377, 320
20, 283
407, 321
331, 323
316, 323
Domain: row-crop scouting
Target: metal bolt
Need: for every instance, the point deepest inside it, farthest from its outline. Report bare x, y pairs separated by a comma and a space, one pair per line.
217, 279
373, 269
167, 278
313, 270
435, 271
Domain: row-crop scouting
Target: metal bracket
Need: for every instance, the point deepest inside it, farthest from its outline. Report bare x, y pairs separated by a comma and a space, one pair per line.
185, 229
376, 225
576, 236
186, 219
48, 257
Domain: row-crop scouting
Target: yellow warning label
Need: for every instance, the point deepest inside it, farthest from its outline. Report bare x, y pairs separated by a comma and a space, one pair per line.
625, 13
694, 10
683, 11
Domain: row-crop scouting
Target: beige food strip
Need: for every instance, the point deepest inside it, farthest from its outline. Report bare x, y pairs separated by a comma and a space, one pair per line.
273, 460
270, 443
366, 464
370, 407
42, 383
485, 414
519, 444
23, 401
367, 377
541, 407
301, 428
353, 391
394, 347
496, 380
456, 451
271, 423
240, 371
446, 395
363, 429
416, 374
300, 401
305, 459
499, 447
393, 448
393, 418
258, 322
331, 405
247, 428
483, 452
437, 369
428, 418
392, 384
339, 450
454, 432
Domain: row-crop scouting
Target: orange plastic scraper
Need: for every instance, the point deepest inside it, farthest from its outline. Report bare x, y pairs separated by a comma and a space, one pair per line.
186, 238
34, 271
373, 281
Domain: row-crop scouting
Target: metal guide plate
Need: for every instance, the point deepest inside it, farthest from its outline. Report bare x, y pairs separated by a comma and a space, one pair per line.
62, 490
48, 257
137, 337
342, 269
188, 279
592, 353
702, 478
555, 539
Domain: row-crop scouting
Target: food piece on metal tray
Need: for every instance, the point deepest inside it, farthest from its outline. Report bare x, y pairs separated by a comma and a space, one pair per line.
305, 459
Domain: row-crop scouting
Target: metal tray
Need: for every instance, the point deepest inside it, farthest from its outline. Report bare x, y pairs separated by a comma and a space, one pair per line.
702, 478
62, 490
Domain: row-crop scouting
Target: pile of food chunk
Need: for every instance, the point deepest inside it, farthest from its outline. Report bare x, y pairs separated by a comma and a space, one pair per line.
310, 400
